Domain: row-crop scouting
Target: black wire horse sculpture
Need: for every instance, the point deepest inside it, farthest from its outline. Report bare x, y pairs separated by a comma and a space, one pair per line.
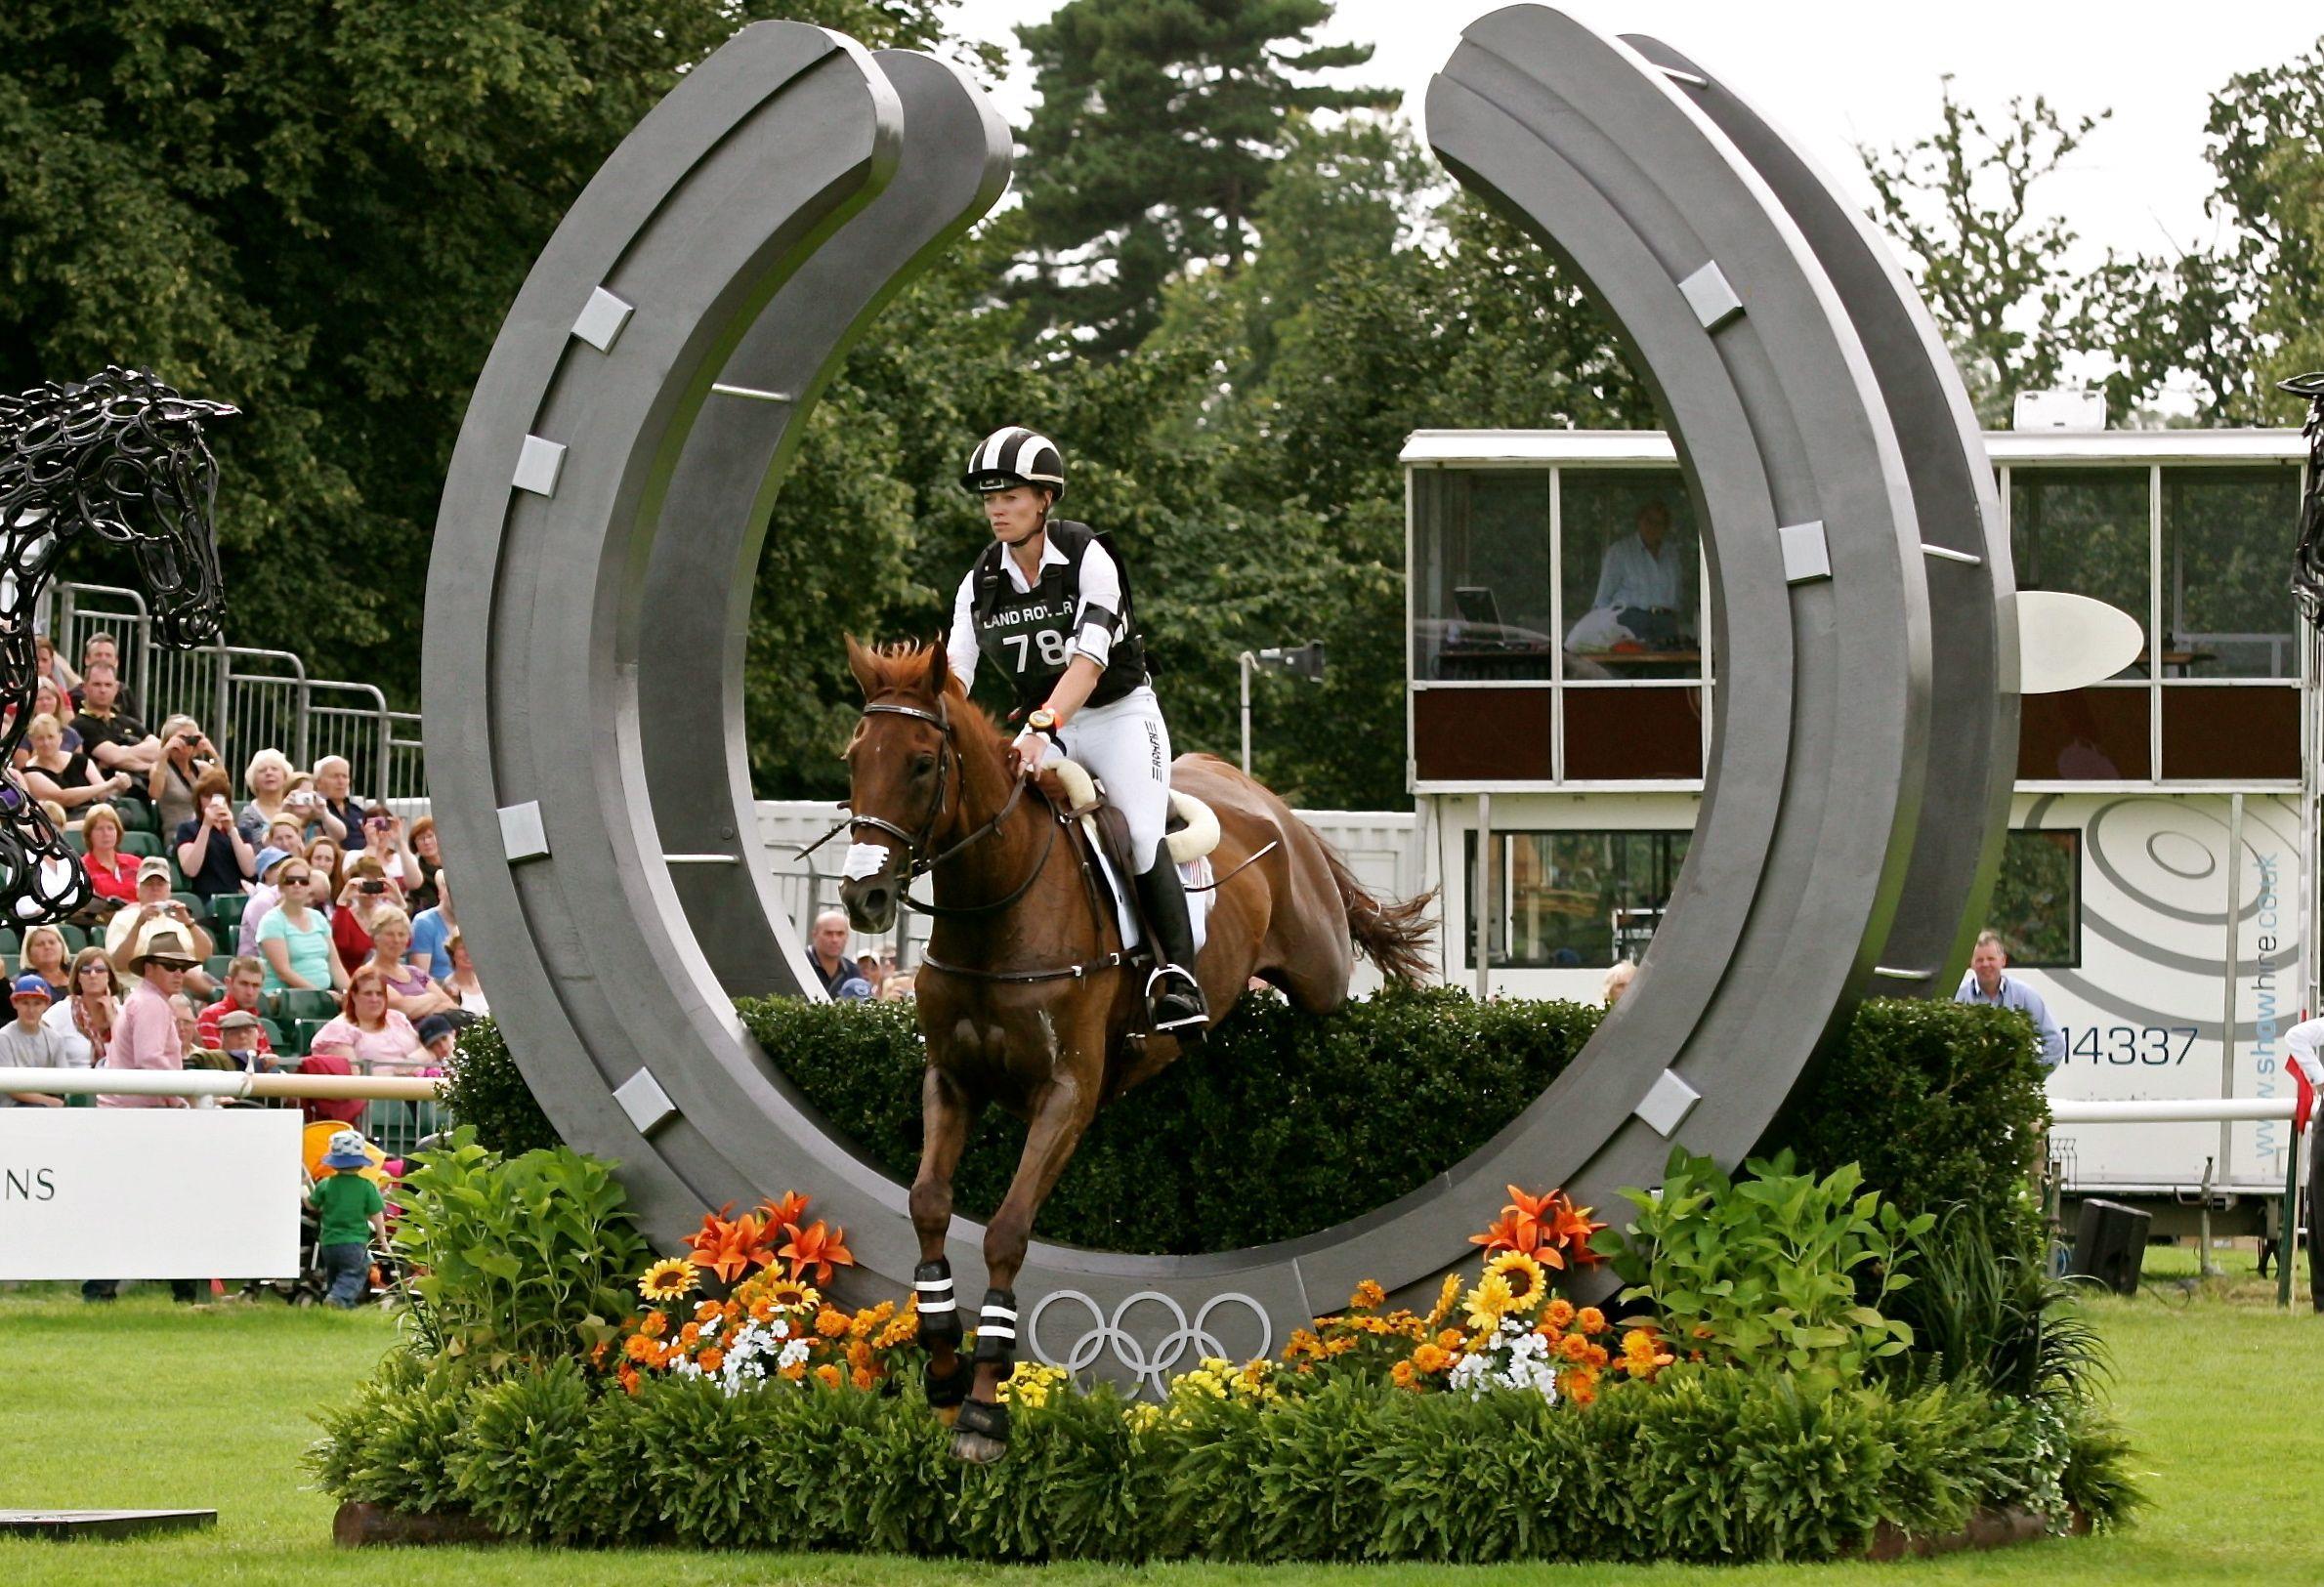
2308, 561
121, 456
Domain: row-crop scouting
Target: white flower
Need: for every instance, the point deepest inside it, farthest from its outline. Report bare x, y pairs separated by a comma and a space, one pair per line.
793, 1354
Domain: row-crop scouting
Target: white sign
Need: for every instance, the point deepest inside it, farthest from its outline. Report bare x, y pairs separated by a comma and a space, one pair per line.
150, 1193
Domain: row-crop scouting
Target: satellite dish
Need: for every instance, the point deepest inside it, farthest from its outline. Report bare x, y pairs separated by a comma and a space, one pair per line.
2071, 641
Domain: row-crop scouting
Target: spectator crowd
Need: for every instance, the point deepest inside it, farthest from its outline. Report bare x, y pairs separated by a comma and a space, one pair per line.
299, 929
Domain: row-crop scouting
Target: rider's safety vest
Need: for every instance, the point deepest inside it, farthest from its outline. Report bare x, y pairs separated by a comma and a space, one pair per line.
1030, 637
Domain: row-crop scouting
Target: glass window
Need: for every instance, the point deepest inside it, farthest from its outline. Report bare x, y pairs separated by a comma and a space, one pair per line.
1577, 900
2084, 531
2036, 899
2227, 538
1631, 576
1481, 595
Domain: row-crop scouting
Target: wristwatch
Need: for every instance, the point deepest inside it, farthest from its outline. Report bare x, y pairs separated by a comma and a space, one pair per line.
1044, 723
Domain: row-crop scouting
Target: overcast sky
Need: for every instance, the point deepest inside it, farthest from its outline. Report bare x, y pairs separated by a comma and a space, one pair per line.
1840, 75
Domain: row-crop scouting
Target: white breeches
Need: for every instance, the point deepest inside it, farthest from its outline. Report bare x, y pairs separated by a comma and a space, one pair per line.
1126, 747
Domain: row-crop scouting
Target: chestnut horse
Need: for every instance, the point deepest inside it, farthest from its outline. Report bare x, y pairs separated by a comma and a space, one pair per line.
1025, 996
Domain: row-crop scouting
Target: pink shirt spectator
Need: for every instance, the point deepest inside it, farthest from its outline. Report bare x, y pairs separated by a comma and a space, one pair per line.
395, 1048
146, 1037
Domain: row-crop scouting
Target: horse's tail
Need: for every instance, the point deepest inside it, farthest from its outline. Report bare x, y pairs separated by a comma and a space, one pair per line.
1393, 937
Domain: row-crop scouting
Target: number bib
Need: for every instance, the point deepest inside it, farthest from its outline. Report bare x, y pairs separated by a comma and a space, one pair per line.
1029, 637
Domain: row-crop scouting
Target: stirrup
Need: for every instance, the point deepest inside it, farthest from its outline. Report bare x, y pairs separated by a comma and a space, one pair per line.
1171, 988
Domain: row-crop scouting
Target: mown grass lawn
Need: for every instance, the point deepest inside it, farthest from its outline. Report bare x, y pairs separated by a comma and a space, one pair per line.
147, 1405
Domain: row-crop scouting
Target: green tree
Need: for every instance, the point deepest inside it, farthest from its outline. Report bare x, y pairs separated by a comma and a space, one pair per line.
2264, 130
320, 210
1993, 267
1158, 126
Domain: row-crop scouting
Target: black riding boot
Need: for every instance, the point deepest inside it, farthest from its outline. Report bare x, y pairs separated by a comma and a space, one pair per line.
1173, 998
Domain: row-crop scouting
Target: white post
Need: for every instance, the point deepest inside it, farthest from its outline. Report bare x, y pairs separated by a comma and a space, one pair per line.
1486, 897
1244, 664
2234, 981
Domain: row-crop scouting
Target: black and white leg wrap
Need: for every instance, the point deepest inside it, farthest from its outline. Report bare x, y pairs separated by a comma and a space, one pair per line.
939, 1314
997, 1327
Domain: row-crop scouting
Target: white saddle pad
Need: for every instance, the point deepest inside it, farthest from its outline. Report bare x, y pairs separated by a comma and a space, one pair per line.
1195, 873
1189, 845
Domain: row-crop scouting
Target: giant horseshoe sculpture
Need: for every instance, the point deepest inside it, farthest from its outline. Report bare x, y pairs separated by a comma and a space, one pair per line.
602, 520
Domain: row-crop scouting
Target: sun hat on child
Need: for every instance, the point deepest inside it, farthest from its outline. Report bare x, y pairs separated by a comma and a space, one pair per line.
347, 1151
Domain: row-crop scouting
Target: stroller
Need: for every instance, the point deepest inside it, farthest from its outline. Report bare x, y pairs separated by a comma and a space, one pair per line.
390, 1274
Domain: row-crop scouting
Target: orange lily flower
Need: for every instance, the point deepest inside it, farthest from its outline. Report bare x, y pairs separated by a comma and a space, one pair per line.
814, 1248
732, 1247
786, 1213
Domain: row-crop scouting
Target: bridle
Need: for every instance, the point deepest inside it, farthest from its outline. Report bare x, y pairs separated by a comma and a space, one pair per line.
917, 862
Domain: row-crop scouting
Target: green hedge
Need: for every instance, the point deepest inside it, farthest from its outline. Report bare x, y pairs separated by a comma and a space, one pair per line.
1708, 1465
1279, 1124
1283, 1124
1940, 1104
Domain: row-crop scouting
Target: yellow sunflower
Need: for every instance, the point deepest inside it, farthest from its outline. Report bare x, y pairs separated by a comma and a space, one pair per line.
1523, 1274
669, 1280
1489, 1302
792, 1295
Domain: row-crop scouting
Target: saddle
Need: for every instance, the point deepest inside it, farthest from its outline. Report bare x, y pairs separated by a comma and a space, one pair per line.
1191, 832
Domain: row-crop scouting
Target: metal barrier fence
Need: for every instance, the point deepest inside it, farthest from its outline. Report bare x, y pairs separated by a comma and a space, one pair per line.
248, 699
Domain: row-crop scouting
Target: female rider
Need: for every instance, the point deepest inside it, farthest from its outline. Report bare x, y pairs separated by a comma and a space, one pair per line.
1049, 603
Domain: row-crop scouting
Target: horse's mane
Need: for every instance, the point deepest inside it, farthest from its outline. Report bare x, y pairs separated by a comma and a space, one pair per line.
902, 666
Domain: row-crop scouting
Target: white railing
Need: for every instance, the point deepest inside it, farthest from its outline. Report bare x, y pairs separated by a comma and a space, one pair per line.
213, 1083
2207, 1111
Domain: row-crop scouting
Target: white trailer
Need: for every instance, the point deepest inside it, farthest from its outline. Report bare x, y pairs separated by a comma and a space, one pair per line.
2151, 810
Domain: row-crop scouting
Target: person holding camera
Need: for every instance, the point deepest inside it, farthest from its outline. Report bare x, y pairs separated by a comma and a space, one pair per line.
213, 852
154, 901
186, 754
383, 840
367, 894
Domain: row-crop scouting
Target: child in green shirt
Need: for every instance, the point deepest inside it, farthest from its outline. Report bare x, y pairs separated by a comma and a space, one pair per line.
352, 1211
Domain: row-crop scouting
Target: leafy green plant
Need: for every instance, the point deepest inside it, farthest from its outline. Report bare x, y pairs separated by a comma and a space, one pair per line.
391, 1442
483, 1088
521, 1259
2097, 1480
1707, 1464
1939, 1103
1991, 1312
1775, 1268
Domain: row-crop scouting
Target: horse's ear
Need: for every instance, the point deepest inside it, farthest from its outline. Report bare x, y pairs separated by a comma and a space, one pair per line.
938, 677
865, 666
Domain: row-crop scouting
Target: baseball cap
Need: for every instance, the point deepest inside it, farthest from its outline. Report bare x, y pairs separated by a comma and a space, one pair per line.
432, 1026
268, 857
31, 986
153, 866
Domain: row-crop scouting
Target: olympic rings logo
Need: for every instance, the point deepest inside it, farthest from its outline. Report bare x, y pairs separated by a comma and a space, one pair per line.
1107, 1333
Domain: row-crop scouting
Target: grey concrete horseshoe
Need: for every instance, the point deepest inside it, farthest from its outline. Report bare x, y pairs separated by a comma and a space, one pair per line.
636, 417
1973, 701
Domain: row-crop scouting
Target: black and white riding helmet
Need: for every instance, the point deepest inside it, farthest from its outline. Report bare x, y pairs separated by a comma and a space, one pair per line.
1015, 456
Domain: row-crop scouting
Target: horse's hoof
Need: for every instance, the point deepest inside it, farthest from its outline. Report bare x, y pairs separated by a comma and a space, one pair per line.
975, 1448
